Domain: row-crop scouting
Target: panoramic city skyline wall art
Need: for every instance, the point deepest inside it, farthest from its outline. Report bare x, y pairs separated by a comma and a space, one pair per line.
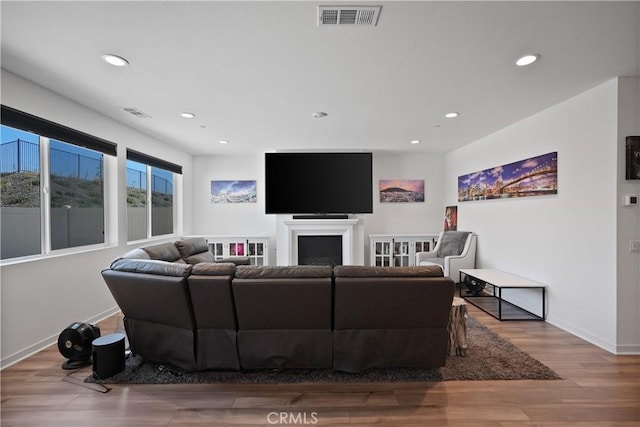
401, 190
536, 176
233, 192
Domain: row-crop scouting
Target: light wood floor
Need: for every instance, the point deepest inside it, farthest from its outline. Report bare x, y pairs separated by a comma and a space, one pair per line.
598, 389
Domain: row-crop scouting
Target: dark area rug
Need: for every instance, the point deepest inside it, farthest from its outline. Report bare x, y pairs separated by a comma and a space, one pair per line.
489, 357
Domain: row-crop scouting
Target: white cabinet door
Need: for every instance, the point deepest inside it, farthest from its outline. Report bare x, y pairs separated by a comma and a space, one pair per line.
255, 248
398, 250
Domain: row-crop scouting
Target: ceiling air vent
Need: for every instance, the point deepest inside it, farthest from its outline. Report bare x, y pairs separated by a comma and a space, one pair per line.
348, 15
135, 112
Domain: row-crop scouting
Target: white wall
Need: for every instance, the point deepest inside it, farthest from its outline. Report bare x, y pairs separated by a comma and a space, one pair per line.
233, 219
41, 297
628, 222
567, 241
250, 219
576, 242
409, 218
422, 217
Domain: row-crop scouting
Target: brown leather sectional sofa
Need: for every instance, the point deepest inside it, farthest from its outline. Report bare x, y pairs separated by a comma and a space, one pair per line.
184, 310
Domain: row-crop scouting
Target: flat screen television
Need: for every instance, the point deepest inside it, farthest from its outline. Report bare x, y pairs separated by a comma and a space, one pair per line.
318, 183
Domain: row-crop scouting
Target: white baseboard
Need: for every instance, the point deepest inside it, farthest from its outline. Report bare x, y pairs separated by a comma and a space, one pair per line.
41, 345
581, 333
628, 350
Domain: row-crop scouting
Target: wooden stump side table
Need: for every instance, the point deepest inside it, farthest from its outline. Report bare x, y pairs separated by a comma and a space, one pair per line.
458, 328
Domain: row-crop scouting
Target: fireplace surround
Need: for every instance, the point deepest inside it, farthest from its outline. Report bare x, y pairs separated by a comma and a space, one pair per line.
347, 229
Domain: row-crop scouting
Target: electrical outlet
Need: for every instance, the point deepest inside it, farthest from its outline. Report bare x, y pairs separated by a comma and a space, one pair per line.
634, 246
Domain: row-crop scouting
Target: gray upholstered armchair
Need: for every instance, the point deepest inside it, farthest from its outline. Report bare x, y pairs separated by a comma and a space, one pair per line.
455, 250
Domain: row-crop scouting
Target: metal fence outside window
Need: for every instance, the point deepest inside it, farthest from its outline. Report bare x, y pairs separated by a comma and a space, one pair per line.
71, 165
161, 185
138, 179
19, 156
24, 156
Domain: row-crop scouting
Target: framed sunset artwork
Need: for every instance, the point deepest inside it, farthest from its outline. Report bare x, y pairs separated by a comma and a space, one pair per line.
401, 190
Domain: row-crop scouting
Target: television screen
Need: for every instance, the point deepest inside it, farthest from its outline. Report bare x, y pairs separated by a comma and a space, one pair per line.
318, 183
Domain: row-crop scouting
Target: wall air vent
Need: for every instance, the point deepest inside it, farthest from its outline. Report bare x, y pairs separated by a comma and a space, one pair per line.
348, 15
137, 113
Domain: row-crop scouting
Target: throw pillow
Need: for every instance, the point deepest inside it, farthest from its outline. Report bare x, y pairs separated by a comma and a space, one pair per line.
452, 243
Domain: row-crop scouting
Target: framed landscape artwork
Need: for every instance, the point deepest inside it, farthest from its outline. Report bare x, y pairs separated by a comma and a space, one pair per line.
233, 192
401, 190
632, 157
536, 176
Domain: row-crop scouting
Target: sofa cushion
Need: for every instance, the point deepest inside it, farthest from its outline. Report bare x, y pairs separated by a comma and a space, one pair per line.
236, 260
194, 250
201, 257
280, 272
452, 243
163, 268
163, 252
213, 269
366, 271
137, 253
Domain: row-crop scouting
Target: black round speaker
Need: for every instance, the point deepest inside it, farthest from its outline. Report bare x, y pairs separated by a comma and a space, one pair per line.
74, 343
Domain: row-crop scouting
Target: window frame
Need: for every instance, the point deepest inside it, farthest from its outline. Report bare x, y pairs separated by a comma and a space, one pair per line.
153, 162
46, 131
147, 232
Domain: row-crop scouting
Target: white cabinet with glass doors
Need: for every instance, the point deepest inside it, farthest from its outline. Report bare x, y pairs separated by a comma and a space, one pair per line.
255, 248
391, 250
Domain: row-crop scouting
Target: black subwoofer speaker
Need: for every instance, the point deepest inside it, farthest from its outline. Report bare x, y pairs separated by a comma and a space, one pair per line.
108, 355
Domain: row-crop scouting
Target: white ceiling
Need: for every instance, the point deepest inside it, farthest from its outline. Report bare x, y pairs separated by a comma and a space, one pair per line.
255, 72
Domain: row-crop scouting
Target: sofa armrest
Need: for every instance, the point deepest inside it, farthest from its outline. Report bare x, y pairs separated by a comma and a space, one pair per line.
149, 266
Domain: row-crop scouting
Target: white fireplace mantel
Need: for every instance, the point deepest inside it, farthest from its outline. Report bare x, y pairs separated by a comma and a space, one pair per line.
319, 227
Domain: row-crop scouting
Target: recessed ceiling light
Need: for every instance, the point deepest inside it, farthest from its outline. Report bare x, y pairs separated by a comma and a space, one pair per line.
415, 141
222, 141
527, 60
319, 114
115, 60
188, 115
451, 115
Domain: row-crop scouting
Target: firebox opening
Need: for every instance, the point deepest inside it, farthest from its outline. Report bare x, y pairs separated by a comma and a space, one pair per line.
320, 250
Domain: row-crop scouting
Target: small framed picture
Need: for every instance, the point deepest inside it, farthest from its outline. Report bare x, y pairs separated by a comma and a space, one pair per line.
451, 218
